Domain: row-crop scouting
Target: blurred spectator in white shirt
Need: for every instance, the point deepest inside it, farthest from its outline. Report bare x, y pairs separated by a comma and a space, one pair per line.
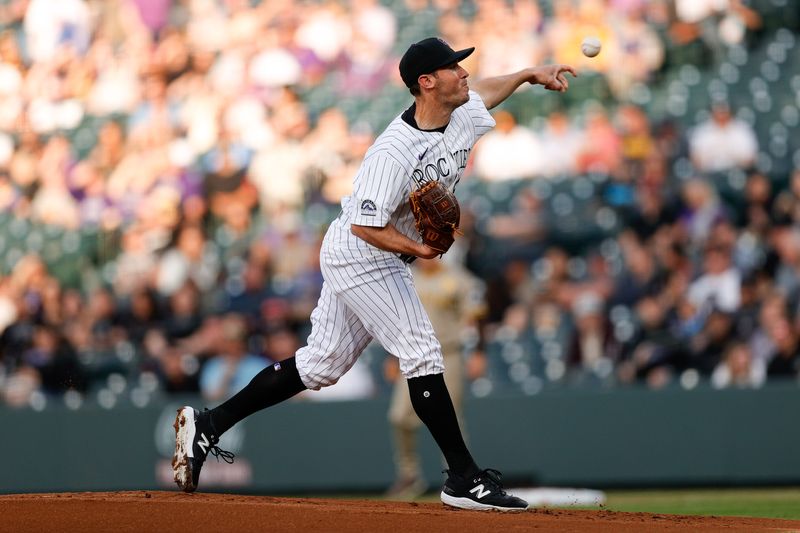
207, 26
510, 151
325, 30
376, 23
273, 66
738, 369
11, 82
117, 86
53, 24
277, 169
640, 51
52, 202
562, 142
192, 257
717, 22
719, 286
722, 142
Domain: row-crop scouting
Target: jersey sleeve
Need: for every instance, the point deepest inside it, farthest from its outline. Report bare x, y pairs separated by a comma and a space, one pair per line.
482, 120
378, 189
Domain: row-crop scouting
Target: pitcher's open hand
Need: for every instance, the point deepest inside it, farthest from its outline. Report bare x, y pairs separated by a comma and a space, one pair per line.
553, 77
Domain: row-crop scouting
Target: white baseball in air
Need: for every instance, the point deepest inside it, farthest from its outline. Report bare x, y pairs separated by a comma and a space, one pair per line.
590, 46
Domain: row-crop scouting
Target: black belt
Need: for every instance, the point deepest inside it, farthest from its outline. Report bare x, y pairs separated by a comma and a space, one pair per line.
407, 258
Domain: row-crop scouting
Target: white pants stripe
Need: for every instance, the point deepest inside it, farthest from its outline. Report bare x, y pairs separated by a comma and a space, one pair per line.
364, 298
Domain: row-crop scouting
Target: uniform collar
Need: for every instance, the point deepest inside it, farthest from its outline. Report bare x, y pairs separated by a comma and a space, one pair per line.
408, 118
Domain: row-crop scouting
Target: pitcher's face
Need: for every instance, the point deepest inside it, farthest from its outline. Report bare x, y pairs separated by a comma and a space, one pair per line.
451, 84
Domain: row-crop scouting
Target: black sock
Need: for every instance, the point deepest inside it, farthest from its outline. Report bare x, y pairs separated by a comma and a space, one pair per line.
434, 407
274, 384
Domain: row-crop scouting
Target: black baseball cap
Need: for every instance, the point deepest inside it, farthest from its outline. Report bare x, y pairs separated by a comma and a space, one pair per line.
426, 56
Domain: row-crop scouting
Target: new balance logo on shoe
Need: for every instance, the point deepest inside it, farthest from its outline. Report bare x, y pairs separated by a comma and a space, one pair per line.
204, 444
479, 491
482, 492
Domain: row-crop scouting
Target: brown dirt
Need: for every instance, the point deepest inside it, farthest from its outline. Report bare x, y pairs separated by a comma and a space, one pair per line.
172, 511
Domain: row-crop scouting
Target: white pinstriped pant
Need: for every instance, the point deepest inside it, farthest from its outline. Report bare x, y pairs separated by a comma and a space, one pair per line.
366, 296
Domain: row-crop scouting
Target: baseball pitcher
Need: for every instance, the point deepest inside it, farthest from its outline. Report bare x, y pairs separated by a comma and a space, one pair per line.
402, 207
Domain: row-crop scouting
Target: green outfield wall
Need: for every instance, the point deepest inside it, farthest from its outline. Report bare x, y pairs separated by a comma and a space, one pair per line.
593, 439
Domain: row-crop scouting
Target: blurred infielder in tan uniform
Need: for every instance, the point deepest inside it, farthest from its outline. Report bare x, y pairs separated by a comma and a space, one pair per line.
454, 300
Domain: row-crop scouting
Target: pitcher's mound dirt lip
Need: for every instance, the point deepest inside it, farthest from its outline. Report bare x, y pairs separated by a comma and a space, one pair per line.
154, 511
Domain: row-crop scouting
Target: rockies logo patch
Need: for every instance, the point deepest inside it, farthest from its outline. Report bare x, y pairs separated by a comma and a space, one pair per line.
368, 208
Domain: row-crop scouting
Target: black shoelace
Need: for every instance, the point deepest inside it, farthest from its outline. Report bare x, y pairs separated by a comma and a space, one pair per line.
494, 477
215, 450
218, 452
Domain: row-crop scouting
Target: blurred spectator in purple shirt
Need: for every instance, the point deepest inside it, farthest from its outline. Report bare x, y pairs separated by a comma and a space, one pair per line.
154, 13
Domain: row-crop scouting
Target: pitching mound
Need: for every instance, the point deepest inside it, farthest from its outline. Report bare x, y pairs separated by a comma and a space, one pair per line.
171, 511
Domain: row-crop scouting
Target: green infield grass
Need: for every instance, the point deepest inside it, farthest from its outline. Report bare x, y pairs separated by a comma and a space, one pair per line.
756, 502
767, 502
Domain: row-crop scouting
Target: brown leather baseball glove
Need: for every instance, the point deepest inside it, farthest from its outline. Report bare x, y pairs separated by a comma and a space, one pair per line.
437, 215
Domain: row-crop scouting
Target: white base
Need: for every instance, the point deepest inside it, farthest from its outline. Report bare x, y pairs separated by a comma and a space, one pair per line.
466, 503
560, 497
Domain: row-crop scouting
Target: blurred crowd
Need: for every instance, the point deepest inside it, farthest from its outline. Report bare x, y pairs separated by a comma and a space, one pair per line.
172, 154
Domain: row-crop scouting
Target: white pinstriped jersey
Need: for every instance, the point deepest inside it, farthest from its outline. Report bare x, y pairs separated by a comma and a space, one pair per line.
369, 293
402, 158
